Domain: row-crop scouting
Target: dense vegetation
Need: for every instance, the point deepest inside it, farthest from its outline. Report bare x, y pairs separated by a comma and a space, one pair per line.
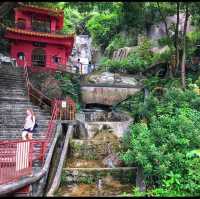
166, 129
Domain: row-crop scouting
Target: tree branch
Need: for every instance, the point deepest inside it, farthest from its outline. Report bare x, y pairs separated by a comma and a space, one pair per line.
184, 46
164, 20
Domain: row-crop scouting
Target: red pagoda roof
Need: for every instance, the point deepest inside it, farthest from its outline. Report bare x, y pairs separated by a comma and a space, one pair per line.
49, 11
38, 34
19, 34
58, 13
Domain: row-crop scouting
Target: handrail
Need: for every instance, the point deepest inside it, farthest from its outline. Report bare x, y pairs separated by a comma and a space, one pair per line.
9, 150
11, 187
16, 158
30, 88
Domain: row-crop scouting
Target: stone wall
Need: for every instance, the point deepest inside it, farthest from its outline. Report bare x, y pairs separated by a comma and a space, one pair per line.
90, 175
93, 149
118, 128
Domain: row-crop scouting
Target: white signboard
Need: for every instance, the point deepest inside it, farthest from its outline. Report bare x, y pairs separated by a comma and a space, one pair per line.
64, 104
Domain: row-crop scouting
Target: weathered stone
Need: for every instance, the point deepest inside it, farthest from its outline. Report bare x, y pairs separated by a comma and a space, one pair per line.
122, 53
111, 78
93, 149
112, 160
123, 174
51, 88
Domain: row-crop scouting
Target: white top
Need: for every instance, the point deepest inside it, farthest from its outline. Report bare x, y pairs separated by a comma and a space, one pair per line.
29, 123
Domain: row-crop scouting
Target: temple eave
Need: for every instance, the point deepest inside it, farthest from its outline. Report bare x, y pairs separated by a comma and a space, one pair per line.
65, 42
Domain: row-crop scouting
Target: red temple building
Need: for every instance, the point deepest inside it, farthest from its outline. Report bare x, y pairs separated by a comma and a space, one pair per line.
36, 39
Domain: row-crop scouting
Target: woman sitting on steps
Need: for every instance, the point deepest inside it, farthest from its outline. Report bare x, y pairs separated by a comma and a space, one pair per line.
29, 125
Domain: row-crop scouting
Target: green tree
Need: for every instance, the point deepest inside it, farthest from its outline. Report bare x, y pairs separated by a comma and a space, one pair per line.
103, 26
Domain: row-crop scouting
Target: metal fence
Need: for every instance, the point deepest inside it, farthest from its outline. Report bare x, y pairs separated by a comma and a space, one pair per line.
17, 157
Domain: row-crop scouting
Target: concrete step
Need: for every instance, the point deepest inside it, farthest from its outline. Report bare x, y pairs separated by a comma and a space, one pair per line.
11, 74
22, 106
17, 105
19, 133
13, 102
19, 137
13, 93
11, 90
22, 111
13, 87
11, 79
92, 149
16, 108
20, 99
7, 118
15, 130
76, 175
14, 121
18, 126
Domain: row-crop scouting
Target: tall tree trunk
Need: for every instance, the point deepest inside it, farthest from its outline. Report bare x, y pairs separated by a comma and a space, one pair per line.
177, 37
164, 20
184, 46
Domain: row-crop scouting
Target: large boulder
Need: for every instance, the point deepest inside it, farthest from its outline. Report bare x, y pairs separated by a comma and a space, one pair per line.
51, 88
111, 78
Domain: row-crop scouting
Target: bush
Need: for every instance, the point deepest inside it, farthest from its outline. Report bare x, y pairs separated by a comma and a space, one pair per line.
119, 41
136, 63
162, 147
138, 60
71, 20
103, 27
69, 86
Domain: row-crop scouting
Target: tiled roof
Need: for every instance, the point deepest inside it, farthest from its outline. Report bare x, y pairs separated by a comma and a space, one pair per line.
56, 12
38, 34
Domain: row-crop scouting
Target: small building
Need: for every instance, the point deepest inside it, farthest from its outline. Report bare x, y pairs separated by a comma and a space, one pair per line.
37, 39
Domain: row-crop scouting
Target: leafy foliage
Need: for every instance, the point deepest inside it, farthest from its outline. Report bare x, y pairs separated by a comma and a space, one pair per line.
103, 27
70, 87
161, 144
117, 42
138, 60
71, 20
162, 147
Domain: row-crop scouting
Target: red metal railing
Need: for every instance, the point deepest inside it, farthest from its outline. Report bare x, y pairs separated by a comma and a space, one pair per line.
11, 169
17, 156
68, 113
54, 116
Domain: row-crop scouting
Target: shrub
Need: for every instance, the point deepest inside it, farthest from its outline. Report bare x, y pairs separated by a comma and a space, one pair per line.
162, 147
118, 41
102, 27
69, 86
136, 63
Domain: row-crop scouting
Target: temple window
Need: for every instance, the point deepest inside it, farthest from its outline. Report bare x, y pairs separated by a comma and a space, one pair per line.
39, 44
20, 55
41, 25
56, 60
21, 23
38, 57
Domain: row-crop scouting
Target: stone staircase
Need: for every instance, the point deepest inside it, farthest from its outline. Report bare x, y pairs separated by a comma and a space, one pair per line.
13, 104
86, 172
